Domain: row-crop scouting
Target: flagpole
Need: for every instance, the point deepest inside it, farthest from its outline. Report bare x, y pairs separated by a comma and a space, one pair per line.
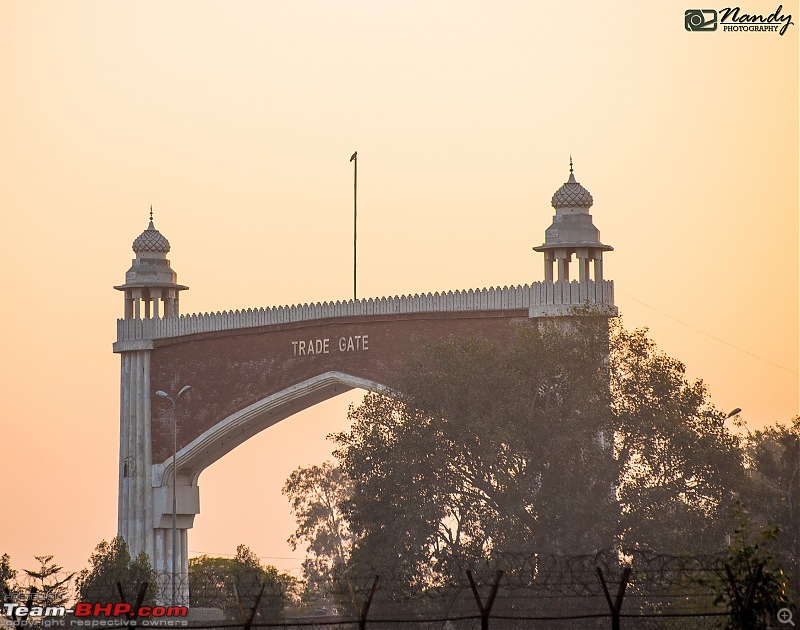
354, 159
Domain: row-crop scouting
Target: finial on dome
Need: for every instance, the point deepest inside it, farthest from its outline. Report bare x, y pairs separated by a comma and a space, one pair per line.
151, 210
570, 167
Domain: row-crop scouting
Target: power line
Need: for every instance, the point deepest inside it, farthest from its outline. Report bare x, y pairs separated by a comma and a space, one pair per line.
707, 334
233, 555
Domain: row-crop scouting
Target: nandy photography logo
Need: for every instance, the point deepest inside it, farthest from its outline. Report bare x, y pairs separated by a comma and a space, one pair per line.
734, 20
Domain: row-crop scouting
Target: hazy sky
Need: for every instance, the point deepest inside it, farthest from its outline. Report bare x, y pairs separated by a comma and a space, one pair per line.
236, 120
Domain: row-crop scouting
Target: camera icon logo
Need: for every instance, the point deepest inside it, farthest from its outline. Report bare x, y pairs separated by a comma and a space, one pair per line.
700, 20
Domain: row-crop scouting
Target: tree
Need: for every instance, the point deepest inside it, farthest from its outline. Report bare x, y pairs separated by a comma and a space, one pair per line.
573, 438
751, 564
679, 464
111, 564
52, 584
317, 494
485, 449
772, 493
233, 585
7, 575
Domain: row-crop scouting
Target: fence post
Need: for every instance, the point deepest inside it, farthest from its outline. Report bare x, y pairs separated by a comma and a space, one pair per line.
252, 616
238, 603
616, 605
29, 604
487, 609
362, 617
139, 598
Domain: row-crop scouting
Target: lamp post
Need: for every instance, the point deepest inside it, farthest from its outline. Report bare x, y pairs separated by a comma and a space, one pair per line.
174, 402
731, 414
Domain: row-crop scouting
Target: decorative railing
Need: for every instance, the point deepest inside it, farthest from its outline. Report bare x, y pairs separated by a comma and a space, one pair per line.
572, 293
539, 294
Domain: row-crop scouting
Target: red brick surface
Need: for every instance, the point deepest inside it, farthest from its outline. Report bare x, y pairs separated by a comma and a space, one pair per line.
231, 370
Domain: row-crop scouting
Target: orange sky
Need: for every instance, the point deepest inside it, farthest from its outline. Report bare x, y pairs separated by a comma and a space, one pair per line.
236, 120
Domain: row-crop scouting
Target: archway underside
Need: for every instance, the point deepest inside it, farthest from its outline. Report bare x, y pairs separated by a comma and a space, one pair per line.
236, 429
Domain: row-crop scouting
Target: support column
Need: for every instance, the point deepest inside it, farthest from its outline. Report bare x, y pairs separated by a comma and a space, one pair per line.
188, 503
128, 304
598, 267
169, 302
563, 259
583, 264
135, 504
163, 566
155, 297
137, 303
548, 266
145, 501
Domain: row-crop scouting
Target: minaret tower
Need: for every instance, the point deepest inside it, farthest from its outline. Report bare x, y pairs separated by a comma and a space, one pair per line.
573, 233
144, 506
150, 285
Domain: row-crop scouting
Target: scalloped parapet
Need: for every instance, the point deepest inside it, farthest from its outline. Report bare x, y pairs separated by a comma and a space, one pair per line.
553, 299
542, 299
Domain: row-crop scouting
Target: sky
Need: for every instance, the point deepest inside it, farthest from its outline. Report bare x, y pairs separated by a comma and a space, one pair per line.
236, 121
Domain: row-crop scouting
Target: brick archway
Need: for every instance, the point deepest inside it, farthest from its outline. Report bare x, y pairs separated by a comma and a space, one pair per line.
249, 370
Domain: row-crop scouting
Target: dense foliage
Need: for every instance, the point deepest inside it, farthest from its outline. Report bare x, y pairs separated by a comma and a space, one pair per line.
575, 437
772, 493
756, 586
111, 565
233, 585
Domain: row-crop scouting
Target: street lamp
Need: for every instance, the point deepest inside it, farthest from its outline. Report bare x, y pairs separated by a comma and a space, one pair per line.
731, 414
174, 402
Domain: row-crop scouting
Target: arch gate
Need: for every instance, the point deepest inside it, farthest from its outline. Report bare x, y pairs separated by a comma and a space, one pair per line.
251, 369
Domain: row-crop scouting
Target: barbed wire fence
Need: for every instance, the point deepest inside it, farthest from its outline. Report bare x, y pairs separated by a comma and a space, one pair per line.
510, 591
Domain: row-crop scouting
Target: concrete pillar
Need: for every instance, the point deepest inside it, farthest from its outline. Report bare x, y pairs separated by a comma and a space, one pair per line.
137, 303
583, 264
125, 444
162, 564
173, 303
128, 304
548, 266
135, 504
144, 516
168, 296
598, 267
563, 259
155, 297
